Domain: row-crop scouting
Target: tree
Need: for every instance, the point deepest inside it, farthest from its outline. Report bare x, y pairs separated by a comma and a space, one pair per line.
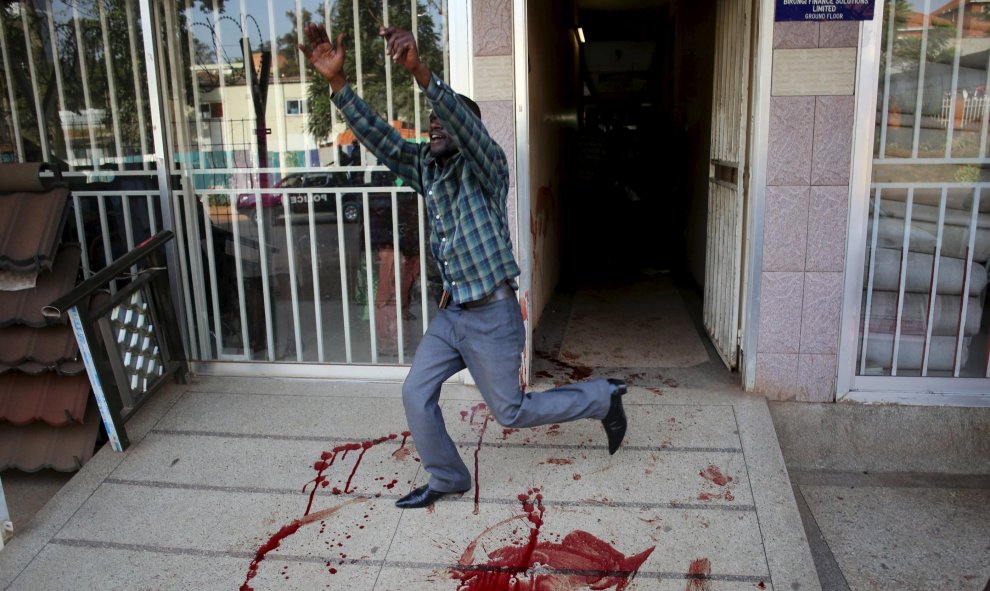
906, 48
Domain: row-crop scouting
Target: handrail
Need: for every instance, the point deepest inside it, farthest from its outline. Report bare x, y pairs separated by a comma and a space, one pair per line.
130, 343
56, 310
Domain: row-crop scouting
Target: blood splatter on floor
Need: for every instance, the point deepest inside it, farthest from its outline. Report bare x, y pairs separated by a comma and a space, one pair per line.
479, 427
714, 475
698, 575
576, 373
579, 561
326, 461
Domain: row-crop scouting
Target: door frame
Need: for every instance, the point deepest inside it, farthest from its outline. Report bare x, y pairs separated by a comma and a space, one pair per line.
754, 212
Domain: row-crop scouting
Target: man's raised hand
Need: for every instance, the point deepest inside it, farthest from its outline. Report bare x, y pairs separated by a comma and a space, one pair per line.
327, 59
400, 46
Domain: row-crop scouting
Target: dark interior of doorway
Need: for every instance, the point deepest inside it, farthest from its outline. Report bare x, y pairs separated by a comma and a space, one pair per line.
641, 155
636, 206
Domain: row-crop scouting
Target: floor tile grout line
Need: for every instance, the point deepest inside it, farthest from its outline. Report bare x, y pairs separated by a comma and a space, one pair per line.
900, 479
395, 532
816, 540
752, 494
455, 398
484, 500
151, 430
95, 544
120, 460
471, 444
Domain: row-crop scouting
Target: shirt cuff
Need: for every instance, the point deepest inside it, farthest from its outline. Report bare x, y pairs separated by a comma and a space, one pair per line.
435, 88
344, 96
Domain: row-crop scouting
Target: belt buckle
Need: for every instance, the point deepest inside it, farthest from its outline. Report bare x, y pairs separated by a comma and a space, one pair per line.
444, 299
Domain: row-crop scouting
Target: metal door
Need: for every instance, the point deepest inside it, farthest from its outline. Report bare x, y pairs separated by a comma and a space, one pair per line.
727, 181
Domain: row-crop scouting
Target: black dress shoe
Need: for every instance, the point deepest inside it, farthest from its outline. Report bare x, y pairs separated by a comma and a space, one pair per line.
615, 421
423, 496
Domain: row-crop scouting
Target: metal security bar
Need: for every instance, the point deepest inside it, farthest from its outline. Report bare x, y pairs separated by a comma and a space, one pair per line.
928, 246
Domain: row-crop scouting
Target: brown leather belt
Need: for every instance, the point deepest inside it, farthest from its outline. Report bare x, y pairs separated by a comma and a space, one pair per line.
503, 291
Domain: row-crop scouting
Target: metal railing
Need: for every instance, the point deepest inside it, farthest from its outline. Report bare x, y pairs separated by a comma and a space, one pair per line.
130, 344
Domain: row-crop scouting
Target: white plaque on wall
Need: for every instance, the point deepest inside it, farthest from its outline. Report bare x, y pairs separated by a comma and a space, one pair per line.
493, 76
814, 72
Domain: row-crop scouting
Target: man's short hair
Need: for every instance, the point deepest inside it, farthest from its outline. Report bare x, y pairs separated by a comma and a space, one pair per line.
471, 105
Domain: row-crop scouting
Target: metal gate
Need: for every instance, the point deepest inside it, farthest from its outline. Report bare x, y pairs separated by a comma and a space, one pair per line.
726, 185
293, 244
296, 245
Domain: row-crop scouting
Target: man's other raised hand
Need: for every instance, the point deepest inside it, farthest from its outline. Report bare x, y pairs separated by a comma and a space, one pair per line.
326, 58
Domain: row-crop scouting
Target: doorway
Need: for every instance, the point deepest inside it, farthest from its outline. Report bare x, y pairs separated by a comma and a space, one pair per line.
621, 164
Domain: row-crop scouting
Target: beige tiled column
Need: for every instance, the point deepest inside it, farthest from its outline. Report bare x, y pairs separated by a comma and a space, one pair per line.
807, 209
492, 55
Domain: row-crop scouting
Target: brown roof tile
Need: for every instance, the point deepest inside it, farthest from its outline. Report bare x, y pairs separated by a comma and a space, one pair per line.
21, 344
30, 227
54, 399
39, 445
24, 306
69, 367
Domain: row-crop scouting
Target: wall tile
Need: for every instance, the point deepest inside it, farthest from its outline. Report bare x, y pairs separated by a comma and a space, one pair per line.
832, 149
777, 376
827, 224
780, 312
500, 121
785, 232
839, 34
821, 313
816, 378
492, 24
792, 125
791, 35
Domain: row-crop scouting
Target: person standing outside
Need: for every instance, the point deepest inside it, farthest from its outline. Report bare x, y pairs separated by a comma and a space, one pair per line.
463, 175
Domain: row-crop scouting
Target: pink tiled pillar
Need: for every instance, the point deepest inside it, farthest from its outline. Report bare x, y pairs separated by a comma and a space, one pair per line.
492, 32
807, 210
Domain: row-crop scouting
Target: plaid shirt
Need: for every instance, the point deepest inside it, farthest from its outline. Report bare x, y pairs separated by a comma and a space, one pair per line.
466, 199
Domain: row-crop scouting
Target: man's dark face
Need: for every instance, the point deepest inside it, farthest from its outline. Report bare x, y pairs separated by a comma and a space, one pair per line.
441, 145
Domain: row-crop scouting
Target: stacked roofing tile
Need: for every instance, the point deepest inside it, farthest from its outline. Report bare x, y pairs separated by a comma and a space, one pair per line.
47, 416
30, 226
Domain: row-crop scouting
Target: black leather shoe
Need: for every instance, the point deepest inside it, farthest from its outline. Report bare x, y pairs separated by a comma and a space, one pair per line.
615, 421
423, 496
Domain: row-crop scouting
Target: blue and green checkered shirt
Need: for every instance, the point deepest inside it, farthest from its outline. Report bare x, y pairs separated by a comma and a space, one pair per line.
465, 199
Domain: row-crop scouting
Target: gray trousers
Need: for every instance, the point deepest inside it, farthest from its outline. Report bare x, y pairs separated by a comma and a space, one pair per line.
488, 340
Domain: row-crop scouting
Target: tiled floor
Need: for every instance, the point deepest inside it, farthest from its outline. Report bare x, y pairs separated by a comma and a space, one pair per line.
697, 499
217, 491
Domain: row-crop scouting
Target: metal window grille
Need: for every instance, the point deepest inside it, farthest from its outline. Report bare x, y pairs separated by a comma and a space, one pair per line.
301, 248
279, 281
928, 246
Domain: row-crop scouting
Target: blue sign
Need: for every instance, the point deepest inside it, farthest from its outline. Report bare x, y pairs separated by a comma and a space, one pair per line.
824, 10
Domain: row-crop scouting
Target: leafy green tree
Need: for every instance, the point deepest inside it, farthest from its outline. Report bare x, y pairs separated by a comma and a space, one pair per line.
906, 48
286, 46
